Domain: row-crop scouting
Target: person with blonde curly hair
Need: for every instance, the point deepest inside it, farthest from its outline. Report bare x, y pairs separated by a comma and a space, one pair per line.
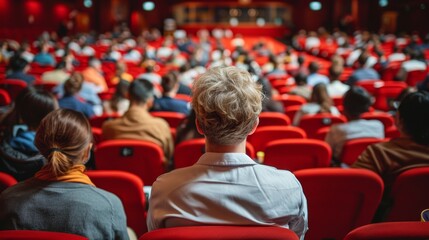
226, 186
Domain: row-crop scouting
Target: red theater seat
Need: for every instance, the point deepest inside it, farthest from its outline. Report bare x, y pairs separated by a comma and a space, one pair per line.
273, 119
339, 200
6, 181
263, 135
312, 123
37, 235
13, 86
173, 118
391, 231
354, 147
97, 121
4, 98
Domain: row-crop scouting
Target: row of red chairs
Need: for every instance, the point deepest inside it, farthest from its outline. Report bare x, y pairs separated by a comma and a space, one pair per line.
339, 200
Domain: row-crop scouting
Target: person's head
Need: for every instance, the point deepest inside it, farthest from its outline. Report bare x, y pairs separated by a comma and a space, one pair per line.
141, 92
94, 63
320, 96
64, 138
301, 79
61, 65
363, 58
356, 101
121, 67
170, 82
227, 103
34, 105
313, 67
73, 85
413, 116
334, 73
18, 64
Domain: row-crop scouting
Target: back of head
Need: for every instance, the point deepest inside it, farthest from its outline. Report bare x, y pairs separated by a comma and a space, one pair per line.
414, 116
334, 73
301, 79
34, 105
313, 67
140, 91
61, 65
95, 63
362, 59
73, 85
227, 103
320, 96
169, 81
356, 101
63, 138
17, 64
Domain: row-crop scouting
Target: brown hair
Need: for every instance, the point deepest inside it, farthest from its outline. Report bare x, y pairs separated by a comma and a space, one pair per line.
321, 97
62, 138
73, 84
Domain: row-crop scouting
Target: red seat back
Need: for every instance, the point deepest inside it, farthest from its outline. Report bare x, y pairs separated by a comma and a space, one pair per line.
391, 231
13, 86
385, 118
410, 195
386, 93
263, 135
6, 181
97, 121
312, 123
414, 77
339, 200
221, 232
354, 147
4, 98
296, 154
188, 152
290, 100
38, 235
142, 158
129, 189
173, 118
273, 119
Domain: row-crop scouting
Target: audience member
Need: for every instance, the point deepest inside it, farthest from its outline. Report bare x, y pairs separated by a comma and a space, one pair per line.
170, 85
356, 101
44, 58
416, 62
93, 74
225, 186
18, 155
59, 75
335, 87
301, 88
187, 129
137, 123
320, 102
363, 72
70, 100
18, 70
150, 75
389, 159
315, 78
121, 73
268, 103
61, 197
119, 103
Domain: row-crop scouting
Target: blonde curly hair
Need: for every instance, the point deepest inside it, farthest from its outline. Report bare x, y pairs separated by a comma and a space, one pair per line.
227, 103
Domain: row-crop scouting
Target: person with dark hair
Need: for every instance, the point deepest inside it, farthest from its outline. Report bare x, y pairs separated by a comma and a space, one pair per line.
320, 102
187, 129
150, 74
356, 101
18, 70
170, 86
268, 103
363, 72
335, 87
301, 88
119, 103
18, 155
314, 77
137, 123
70, 99
60, 197
415, 63
58, 76
389, 159
44, 58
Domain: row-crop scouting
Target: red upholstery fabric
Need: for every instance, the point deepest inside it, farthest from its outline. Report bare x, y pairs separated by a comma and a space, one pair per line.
173, 118
4, 98
188, 152
273, 119
263, 135
296, 154
290, 100
290, 111
385, 118
13, 86
321, 133
339, 200
370, 85
414, 77
144, 159
96, 134
354, 147
46, 86
312, 123
129, 188
410, 195
221, 232
97, 121
6, 181
37, 235
391, 231
386, 93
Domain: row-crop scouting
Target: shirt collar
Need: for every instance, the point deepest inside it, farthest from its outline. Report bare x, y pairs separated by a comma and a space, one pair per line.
225, 159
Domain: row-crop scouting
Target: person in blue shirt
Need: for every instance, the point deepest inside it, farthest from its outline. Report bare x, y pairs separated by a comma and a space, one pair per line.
44, 58
18, 68
363, 73
167, 103
70, 100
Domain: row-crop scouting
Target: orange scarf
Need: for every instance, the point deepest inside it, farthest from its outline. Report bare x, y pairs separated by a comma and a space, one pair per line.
75, 174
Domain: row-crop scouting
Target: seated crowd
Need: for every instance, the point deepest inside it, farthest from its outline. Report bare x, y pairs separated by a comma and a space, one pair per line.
219, 87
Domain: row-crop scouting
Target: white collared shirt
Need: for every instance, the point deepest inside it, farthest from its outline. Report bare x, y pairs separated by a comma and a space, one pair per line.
229, 189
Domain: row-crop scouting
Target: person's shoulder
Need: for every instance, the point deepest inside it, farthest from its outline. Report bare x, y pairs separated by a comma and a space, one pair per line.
277, 178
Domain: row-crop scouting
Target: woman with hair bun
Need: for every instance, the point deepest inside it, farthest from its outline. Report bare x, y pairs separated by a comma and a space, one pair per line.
60, 197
